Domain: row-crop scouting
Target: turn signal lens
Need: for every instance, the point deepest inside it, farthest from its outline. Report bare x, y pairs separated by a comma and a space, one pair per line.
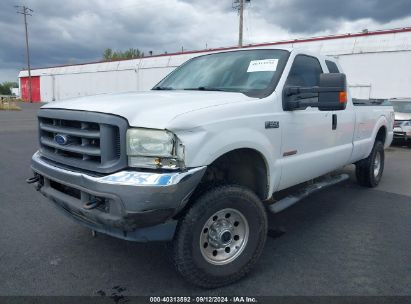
343, 97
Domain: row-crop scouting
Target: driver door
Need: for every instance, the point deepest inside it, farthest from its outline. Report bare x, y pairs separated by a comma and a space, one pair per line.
307, 134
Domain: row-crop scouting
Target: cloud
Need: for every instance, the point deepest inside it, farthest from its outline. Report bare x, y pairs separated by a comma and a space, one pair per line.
8, 75
302, 16
70, 31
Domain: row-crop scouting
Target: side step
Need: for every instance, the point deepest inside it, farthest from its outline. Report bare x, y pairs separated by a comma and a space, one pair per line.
303, 193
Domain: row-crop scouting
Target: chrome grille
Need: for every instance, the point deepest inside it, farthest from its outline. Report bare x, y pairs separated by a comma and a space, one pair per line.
93, 141
84, 141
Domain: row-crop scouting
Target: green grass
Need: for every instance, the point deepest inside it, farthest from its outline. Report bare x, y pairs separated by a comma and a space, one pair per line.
11, 99
9, 106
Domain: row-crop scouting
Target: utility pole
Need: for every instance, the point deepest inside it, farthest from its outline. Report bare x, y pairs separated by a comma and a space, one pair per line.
239, 6
240, 29
24, 10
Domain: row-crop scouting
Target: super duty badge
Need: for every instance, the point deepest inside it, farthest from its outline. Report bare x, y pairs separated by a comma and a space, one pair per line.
272, 124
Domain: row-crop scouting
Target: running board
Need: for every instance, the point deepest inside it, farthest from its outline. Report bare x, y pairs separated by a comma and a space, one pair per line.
303, 193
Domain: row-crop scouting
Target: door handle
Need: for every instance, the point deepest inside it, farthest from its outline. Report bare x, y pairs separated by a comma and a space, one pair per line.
334, 121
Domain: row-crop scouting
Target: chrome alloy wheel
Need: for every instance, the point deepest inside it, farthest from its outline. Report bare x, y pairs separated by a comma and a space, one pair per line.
224, 236
377, 164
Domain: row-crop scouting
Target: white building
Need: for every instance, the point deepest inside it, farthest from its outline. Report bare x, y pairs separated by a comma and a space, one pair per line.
377, 64
15, 91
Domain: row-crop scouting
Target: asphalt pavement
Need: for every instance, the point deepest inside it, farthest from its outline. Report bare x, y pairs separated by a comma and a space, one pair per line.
346, 240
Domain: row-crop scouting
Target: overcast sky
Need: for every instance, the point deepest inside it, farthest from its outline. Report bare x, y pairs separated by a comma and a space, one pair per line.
75, 31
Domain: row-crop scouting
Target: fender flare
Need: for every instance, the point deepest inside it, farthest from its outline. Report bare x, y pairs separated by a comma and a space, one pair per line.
382, 122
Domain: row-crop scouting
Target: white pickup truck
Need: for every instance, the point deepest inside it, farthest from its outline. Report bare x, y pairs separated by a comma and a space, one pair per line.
200, 158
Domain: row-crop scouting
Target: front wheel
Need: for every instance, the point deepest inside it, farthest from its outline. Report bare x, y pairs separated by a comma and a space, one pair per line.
369, 171
221, 237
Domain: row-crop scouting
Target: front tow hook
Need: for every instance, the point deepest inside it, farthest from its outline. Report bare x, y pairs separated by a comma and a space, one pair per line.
93, 203
33, 179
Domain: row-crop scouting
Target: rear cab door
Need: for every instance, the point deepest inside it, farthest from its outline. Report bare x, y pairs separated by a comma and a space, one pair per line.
343, 124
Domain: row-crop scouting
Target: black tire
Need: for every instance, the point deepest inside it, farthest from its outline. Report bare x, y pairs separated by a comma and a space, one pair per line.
364, 170
189, 258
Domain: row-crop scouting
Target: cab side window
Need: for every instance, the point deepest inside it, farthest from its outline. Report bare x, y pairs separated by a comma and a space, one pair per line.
332, 67
305, 72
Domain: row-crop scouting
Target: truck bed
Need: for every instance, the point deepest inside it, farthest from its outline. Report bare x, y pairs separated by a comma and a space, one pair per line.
370, 102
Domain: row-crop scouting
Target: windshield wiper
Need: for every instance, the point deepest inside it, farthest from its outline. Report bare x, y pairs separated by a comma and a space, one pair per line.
204, 89
163, 88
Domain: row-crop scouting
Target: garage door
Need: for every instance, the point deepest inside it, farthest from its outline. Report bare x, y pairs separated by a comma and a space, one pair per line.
35, 88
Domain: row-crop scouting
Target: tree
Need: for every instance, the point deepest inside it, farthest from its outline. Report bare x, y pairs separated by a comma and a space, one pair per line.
5, 87
132, 53
109, 54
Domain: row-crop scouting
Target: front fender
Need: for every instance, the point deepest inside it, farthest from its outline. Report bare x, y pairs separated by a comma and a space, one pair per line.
203, 147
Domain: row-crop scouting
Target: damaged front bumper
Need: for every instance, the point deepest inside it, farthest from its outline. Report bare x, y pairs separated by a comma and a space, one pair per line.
132, 205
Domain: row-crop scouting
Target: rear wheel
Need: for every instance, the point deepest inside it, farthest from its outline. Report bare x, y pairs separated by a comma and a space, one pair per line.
369, 171
221, 237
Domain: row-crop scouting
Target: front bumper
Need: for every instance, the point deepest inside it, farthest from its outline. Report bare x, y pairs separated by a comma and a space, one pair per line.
131, 205
400, 132
401, 135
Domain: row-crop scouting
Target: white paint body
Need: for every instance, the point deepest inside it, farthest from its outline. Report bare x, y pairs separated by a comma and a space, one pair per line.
210, 124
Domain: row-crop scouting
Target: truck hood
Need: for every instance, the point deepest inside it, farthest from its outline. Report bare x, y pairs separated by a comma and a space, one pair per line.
152, 109
402, 116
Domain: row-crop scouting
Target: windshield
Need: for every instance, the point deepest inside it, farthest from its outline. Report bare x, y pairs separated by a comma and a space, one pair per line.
252, 72
402, 106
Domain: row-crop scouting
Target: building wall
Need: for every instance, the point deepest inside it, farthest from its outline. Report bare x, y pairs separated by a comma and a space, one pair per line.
378, 65
15, 91
382, 74
63, 86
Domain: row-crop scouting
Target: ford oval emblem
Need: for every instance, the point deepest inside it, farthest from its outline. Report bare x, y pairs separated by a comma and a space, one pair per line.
61, 139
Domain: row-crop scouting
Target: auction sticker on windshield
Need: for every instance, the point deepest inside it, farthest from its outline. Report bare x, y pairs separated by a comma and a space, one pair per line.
265, 65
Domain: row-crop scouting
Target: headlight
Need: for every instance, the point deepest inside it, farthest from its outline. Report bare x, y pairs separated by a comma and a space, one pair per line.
154, 149
144, 142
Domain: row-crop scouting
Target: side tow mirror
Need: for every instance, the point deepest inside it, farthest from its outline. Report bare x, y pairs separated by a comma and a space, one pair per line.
332, 94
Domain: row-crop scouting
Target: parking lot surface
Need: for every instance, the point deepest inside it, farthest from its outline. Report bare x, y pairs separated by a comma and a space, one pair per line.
346, 240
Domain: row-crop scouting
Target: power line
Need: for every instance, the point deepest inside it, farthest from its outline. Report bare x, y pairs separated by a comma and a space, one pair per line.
24, 10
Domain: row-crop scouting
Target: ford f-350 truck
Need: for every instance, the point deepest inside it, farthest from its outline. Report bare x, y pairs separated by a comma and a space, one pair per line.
199, 159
